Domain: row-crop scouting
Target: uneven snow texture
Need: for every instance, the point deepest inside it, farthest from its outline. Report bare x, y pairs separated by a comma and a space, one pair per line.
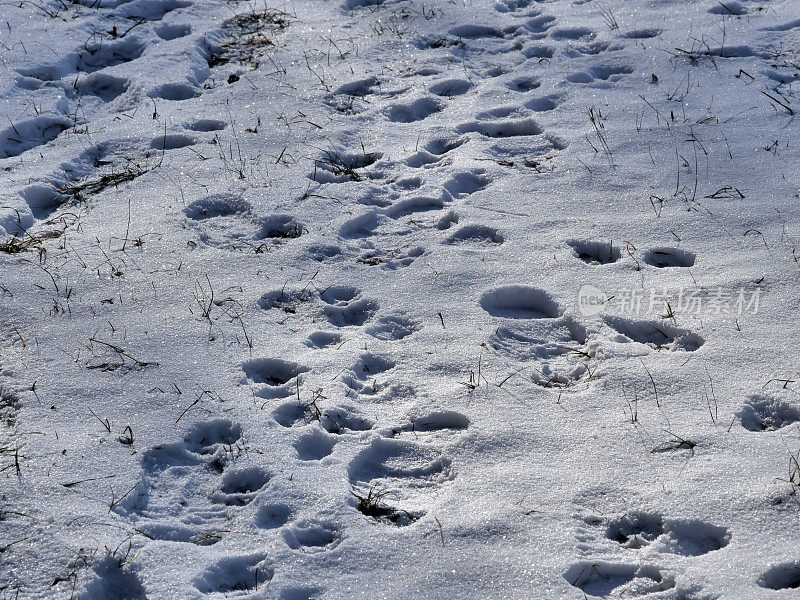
289, 299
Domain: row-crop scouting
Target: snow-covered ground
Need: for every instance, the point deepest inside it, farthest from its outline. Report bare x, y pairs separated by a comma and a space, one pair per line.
348, 299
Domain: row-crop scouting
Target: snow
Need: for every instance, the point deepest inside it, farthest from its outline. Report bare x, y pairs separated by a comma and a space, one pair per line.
399, 299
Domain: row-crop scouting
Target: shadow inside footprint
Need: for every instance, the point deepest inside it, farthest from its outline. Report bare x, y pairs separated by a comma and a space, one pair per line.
235, 574
520, 302
272, 516
781, 577
323, 339
443, 420
464, 184
605, 579
207, 436
594, 252
346, 306
272, 371
113, 581
396, 459
635, 529
104, 86
314, 445
476, 234
174, 91
217, 205
341, 420
693, 537
392, 327
451, 87
280, 227
669, 257
240, 486
206, 125
171, 142
763, 412
25, 135
312, 537
415, 111
656, 334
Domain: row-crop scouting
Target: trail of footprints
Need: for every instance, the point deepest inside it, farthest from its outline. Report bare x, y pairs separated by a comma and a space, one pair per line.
527, 37
412, 197
193, 491
92, 78
533, 327
512, 131
394, 478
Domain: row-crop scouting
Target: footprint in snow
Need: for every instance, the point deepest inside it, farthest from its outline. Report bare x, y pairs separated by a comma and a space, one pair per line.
506, 6
346, 306
603, 73
353, 97
363, 374
520, 302
340, 166
393, 327
323, 339
476, 235
637, 529
189, 491
227, 221
555, 350
658, 335
451, 87
342, 305
172, 31
436, 425
206, 125
171, 141
243, 39
539, 25
434, 151
235, 575
391, 260
149, 10
502, 128
302, 593
112, 579
274, 377
414, 111
618, 580
783, 576
573, 34
396, 481
314, 445
595, 252
104, 86
338, 420
313, 536
768, 412
474, 32
668, 257
25, 135
467, 183
523, 84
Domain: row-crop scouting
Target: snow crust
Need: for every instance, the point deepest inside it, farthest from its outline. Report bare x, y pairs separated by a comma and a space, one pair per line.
358, 299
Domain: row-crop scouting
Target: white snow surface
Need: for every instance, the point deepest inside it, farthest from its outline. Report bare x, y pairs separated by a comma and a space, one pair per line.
289, 299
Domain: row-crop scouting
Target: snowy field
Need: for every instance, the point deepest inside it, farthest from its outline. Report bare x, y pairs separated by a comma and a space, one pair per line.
447, 299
